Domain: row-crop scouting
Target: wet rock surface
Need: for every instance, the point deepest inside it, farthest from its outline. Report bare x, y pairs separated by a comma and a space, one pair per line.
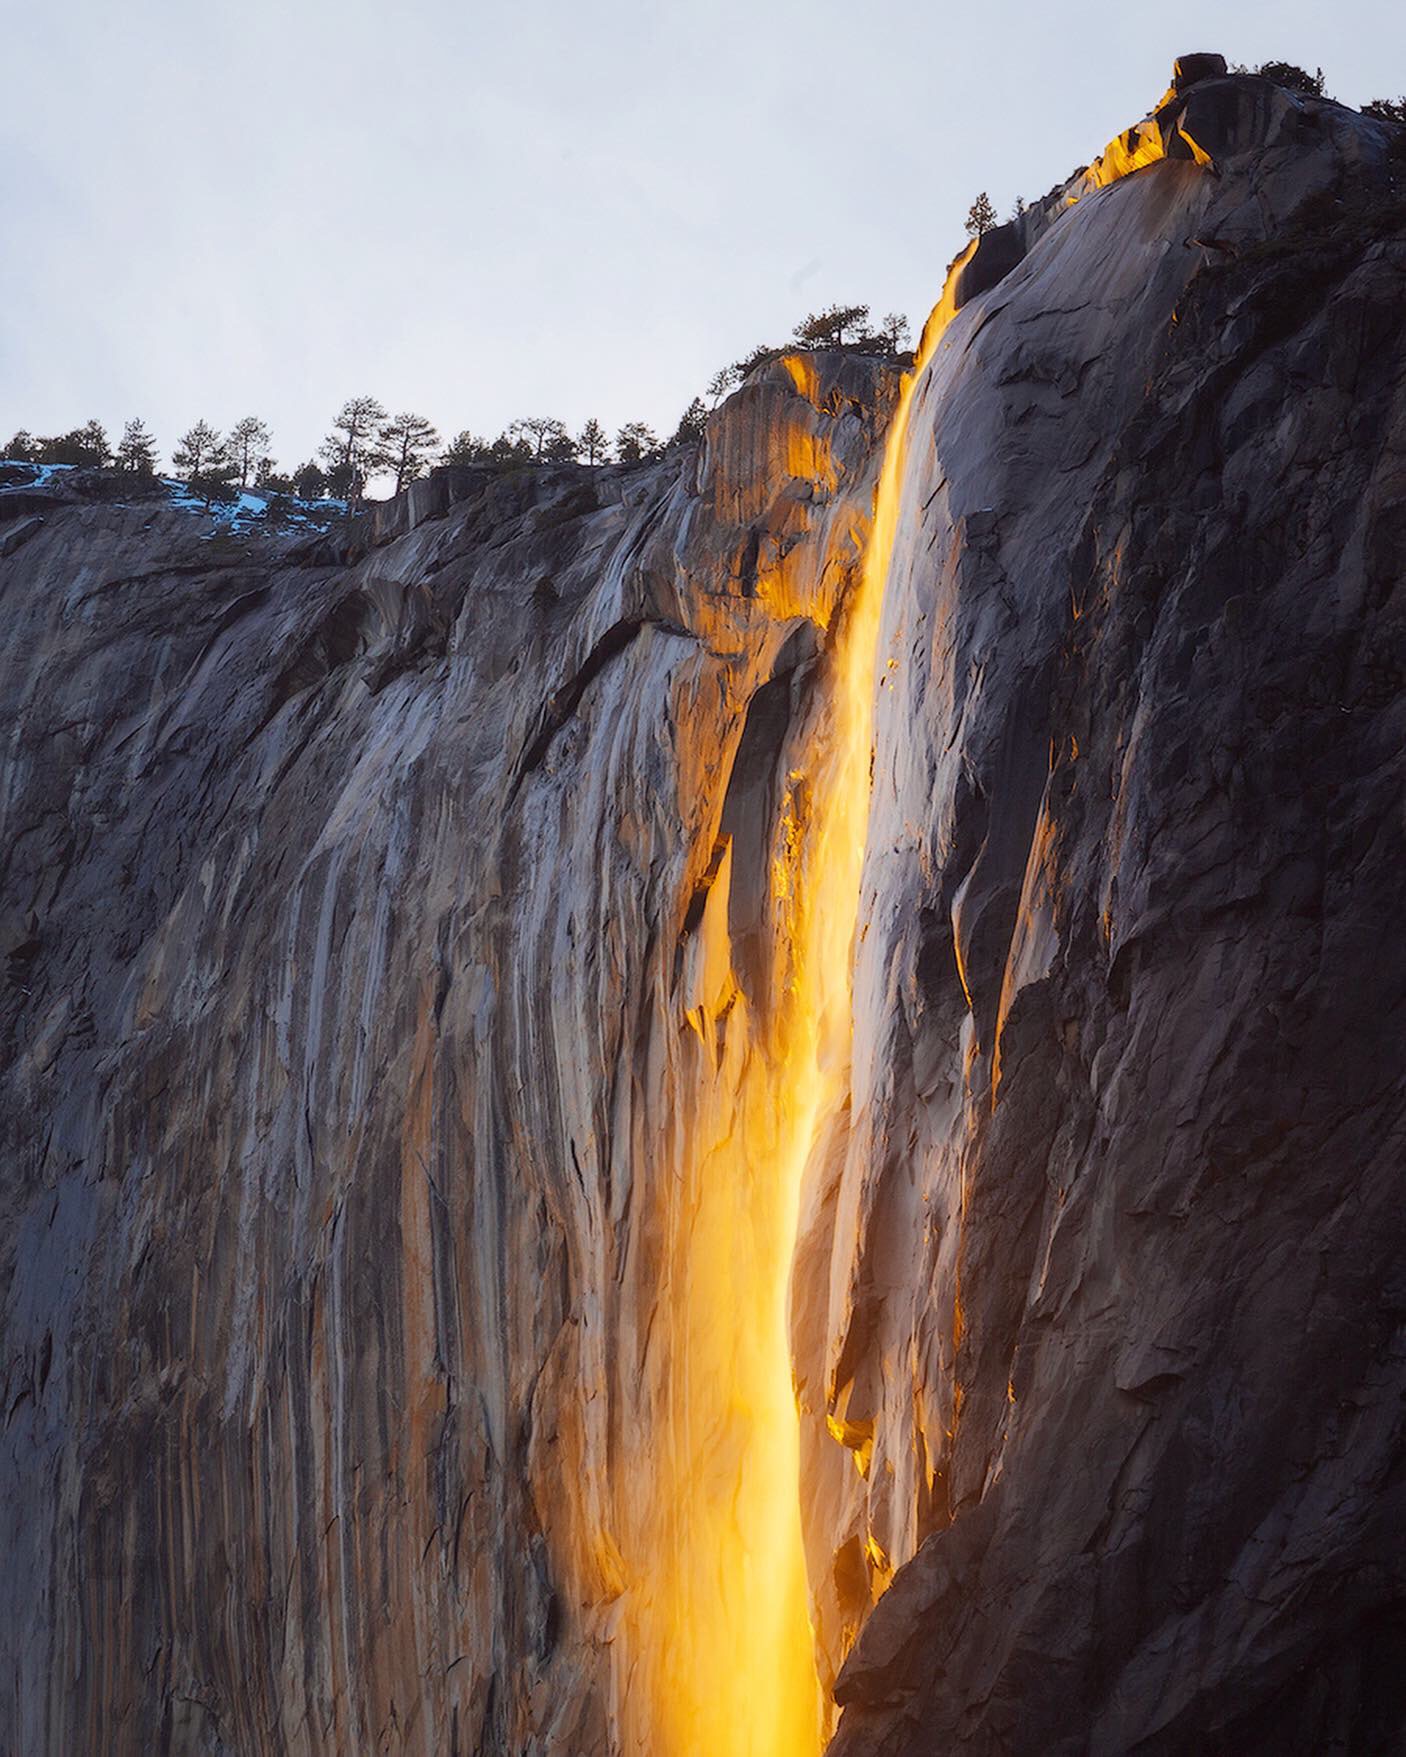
375, 911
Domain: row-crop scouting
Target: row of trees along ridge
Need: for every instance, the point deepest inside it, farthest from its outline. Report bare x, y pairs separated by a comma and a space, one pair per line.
365, 441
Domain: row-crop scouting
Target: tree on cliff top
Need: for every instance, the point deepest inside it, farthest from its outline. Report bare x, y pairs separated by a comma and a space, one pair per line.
86, 446
691, 424
136, 452
196, 449
594, 442
829, 328
203, 458
550, 441
722, 381
352, 438
1294, 79
345, 482
635, 442
248, 442
508, 451
981, 216
1387, 109
465, 448
310, 480
404, 446
759, 356
894, 331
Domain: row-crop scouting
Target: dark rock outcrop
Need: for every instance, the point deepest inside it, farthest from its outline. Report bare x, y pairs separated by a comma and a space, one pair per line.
1130, 1089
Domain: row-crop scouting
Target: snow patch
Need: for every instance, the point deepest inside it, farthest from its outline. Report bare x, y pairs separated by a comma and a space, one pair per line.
43, 473
248, 510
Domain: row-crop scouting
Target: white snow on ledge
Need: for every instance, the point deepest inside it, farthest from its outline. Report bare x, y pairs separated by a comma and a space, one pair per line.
245, 512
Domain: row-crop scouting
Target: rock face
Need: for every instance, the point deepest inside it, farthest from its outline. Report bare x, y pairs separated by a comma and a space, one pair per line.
380, 939
1116, 1283
392, 933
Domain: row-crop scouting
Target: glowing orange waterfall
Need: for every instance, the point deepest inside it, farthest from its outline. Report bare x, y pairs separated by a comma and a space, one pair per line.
721, 1622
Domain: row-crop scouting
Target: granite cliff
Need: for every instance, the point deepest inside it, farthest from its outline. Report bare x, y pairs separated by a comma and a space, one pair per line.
414, 952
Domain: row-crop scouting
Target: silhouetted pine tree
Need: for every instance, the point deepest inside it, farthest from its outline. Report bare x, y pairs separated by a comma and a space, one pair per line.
465, 448
310, 480
981, 216
547, 437
248, 441
828, 328
691, 422
136, 451
196, 450
635, 442
347, 448
404, 446
593, 442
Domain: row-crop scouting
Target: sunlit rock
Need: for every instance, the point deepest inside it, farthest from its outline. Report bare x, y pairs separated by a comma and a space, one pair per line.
422, 1040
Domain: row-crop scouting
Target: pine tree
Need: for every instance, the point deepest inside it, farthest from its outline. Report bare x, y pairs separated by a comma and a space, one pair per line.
594, 442
85, 447
136, 453
345, 482
202, 457
404, 446
981, 216
634, 443
894, 331
196, 450
23, 448
310, 480
541, 432
722, 381
1293, 78
507, 450
691, 424
827, 328
759, 356
247, 442
347, 447
1386, 109
92, 439
466, 448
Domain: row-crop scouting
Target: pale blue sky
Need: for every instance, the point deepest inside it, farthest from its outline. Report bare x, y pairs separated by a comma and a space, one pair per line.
479, 211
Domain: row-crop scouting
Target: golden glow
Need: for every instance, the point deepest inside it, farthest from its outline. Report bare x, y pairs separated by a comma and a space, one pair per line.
719, 1657
680, 1531
722, 1652
1128, 152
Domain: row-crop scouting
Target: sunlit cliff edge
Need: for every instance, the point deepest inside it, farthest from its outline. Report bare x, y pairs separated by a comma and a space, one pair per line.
395, 930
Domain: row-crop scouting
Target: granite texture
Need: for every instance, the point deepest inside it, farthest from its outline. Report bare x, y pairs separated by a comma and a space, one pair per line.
385, 913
